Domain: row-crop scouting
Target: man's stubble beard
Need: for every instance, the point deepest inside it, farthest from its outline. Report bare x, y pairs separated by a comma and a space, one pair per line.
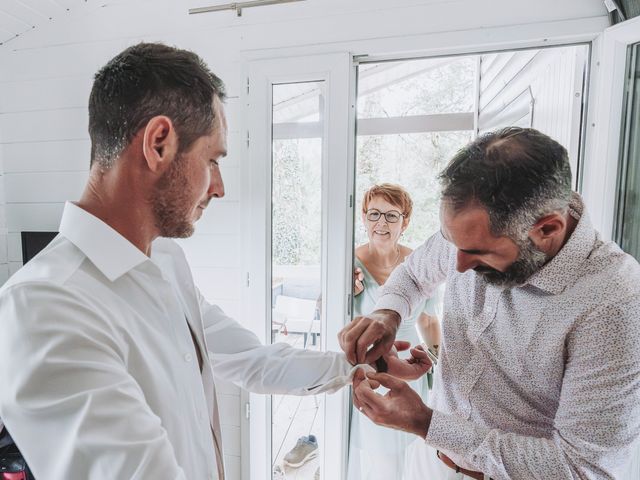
529, 261
171, 199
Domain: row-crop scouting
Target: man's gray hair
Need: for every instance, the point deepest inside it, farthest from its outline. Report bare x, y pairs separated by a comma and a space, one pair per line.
518, 175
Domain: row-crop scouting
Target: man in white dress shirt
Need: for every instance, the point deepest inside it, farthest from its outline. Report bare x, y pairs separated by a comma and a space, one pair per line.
108, 351
539, 374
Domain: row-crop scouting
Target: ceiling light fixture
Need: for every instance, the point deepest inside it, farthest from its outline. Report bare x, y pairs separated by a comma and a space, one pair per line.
239, 6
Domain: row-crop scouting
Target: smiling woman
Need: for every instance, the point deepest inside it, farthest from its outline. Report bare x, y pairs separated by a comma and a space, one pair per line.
376, 452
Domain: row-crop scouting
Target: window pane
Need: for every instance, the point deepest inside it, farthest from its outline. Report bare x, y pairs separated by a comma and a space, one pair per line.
296, 226
417, 87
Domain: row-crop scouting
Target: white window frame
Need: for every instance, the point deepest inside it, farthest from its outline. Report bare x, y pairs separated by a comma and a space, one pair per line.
604, 122
336, 71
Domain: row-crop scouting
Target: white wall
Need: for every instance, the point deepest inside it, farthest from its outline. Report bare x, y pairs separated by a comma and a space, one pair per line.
45, 77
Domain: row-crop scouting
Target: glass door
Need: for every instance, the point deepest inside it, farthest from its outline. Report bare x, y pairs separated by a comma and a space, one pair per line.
299, 244
413, 115
297, 156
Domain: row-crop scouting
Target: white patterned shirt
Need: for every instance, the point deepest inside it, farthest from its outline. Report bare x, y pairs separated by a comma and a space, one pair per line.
537, 381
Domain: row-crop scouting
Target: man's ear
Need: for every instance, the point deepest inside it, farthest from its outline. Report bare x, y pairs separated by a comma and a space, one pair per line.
159, 143
547, 230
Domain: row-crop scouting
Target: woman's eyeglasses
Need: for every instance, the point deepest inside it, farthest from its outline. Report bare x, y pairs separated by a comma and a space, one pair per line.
392, 216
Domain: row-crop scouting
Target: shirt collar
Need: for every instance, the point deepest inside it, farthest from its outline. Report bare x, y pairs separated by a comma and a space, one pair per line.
562, 270
109, 251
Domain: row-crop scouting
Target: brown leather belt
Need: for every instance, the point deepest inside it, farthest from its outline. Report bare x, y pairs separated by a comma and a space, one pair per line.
449, 463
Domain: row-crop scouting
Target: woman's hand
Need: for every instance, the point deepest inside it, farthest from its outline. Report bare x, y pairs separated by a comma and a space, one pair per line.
358, 281
411, 368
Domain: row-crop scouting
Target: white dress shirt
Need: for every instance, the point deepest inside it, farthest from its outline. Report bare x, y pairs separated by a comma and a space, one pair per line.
99, 374
540, 381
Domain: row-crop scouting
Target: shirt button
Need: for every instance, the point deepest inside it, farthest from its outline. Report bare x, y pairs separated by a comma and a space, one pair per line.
187, 357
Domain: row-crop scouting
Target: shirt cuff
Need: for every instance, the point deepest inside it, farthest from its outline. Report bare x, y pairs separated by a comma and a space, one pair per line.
397, 303
339, 381
457, 437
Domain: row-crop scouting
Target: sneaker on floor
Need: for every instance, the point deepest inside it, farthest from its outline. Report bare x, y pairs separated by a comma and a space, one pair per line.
306, 448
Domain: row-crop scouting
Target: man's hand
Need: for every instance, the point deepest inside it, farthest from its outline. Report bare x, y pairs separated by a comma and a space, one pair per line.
377, 330
408, 369
400, 408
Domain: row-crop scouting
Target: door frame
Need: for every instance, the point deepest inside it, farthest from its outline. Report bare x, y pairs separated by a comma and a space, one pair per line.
336, 71
604, 122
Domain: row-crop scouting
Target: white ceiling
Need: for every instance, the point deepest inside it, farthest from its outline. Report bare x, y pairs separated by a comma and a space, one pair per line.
19, 17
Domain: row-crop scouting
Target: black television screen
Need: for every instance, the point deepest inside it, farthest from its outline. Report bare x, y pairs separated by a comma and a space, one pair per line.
33, 242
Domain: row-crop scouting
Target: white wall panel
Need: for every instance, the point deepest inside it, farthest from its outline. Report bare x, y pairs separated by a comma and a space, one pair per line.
13, 24
220, 218
33, 12
49, 187
48, 61
53, 156
4, 272
14, 247
231, 440
229, 403
4, 240
231, 178
234, 106
212, 250
236, 144
14, 267
218, 283
45, 94
4, 249
227, 388
45, 125
34, 216
231, 308
232, 465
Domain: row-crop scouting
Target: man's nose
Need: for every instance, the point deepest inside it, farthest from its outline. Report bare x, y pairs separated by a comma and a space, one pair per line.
465, 261
216, 186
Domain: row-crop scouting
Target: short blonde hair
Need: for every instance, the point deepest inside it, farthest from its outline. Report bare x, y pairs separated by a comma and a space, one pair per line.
392, 193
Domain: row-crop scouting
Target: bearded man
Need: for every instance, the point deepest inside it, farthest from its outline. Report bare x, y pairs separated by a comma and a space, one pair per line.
539, 370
